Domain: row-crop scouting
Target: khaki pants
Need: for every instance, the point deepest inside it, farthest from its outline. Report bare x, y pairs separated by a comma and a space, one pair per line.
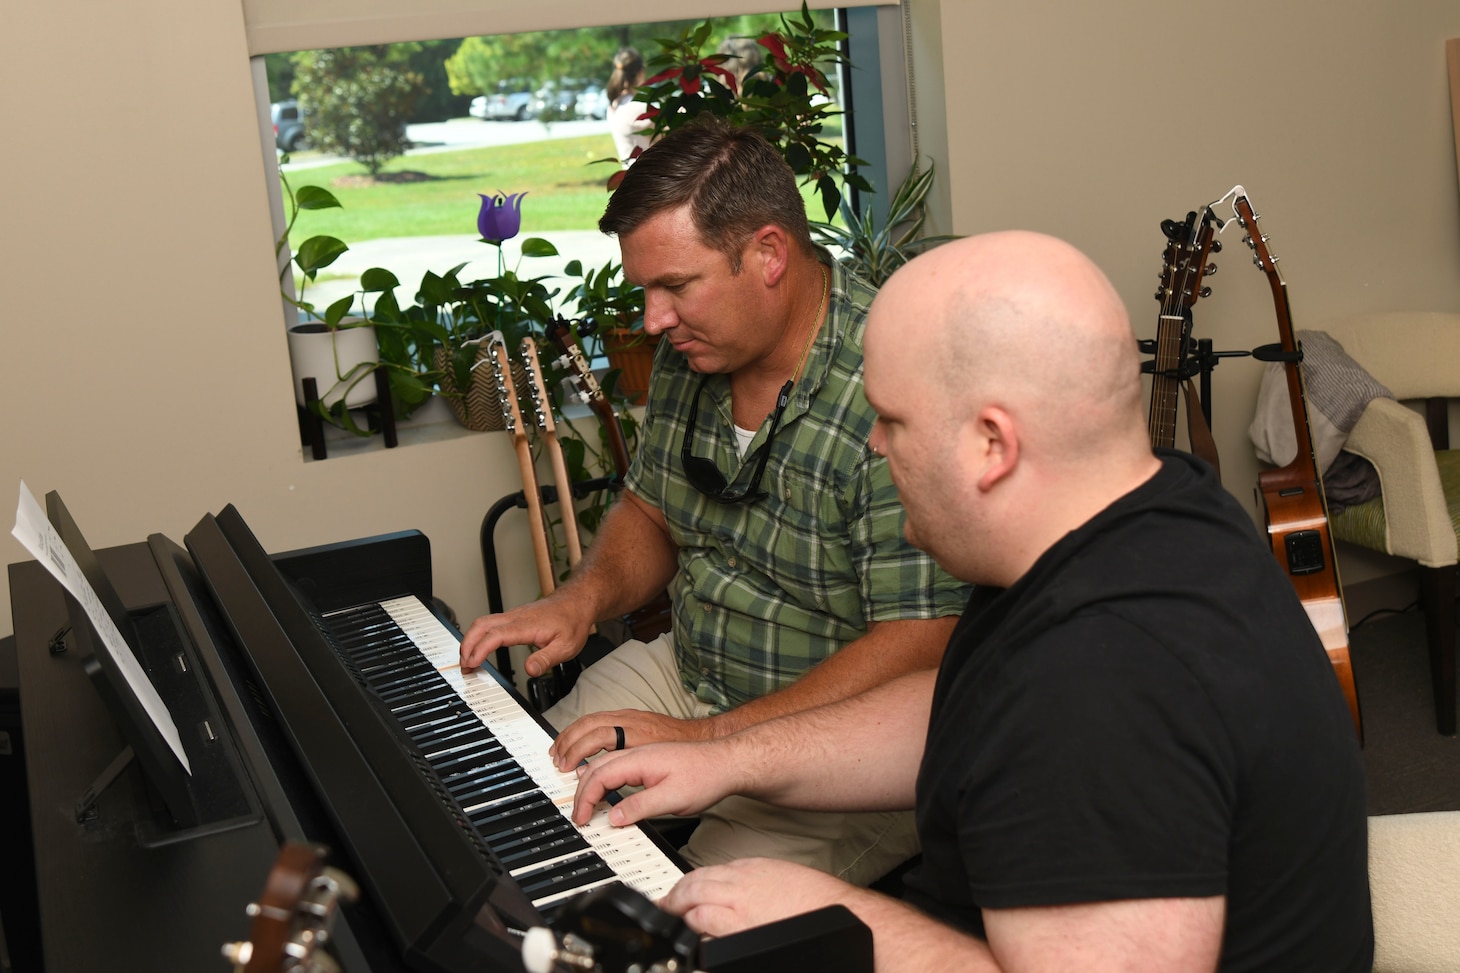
858, 847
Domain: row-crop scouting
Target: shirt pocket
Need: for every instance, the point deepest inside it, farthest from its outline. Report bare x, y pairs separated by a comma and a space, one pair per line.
808, 539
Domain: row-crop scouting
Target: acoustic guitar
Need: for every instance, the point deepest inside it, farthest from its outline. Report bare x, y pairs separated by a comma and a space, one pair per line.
1293, 504
501, 366
1184, 266
542, 410
294, 915
653, 618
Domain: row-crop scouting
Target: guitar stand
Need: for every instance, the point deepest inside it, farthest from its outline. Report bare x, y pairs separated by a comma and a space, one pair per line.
1203, 360
548, 494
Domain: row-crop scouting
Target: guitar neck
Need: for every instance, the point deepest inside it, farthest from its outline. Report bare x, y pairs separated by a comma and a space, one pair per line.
1184, 266
512, 417
536, 524
1162, 417
547, 425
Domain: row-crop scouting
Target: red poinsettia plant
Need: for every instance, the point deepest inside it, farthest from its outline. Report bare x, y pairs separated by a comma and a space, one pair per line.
787, 97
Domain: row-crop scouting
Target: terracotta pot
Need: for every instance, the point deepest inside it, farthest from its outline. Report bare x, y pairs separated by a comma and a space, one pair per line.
632, 353
339, 361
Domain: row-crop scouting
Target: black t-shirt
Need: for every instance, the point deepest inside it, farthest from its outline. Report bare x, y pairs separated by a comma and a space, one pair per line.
1148, 713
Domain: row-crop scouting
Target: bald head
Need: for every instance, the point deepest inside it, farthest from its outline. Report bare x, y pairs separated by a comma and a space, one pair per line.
1014, 352
1025, 321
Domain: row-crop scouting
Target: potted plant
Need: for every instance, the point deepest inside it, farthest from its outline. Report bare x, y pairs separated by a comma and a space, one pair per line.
611, 313
435, 342
786, 98
334, 347
873, 252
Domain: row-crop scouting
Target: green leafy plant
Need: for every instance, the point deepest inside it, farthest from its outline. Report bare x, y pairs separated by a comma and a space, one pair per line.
433, 343
787, 98
314, 254
874, 252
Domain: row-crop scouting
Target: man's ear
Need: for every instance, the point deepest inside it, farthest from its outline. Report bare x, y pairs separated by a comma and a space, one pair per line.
999, 446
770, 249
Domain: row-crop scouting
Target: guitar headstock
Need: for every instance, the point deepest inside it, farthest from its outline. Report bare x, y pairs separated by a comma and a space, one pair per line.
501, 366
293, 916
541, 406
572, 359
1185, 261
560, 333
1247, 217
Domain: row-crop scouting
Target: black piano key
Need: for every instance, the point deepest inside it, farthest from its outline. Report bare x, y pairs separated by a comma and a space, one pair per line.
488, 818
534, 819
451, 763
564, 876
530, 851
505, 783
494, 794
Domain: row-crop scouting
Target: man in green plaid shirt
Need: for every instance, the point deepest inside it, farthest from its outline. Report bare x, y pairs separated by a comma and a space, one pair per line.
753, 497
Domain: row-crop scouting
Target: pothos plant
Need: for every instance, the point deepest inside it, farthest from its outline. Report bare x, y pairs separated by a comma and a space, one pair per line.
315, 254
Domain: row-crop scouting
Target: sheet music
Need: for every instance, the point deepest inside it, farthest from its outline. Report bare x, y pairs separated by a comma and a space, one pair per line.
34, 531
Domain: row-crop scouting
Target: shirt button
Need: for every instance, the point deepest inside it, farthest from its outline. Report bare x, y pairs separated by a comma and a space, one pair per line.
705, 671
731, 562
707, 607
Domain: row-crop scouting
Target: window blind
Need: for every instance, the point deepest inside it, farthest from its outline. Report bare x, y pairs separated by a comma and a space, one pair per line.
301, 25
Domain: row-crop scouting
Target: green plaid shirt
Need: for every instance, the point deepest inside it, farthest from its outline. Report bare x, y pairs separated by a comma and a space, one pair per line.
766, 590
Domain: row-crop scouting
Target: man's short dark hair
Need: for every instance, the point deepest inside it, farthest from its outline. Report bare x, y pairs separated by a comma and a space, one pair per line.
734, 181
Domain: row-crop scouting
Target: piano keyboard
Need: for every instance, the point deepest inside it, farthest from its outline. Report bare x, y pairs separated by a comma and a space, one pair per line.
491, 755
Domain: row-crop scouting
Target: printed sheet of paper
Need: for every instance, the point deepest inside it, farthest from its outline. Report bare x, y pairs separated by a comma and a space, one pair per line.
40, 538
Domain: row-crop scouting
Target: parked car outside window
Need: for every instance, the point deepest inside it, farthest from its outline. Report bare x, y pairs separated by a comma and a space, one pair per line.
514, 101
289, 131
592, 103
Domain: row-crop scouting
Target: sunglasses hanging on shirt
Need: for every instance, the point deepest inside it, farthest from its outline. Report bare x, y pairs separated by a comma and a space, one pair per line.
706, 477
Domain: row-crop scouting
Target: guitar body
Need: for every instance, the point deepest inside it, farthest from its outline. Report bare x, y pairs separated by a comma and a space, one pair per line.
1293, 505
1297, 528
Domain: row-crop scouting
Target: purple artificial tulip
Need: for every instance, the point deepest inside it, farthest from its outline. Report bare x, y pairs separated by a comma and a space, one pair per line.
500, 217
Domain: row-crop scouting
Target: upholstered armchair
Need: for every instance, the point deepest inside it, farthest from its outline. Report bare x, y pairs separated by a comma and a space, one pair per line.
1417, 356
1414, 879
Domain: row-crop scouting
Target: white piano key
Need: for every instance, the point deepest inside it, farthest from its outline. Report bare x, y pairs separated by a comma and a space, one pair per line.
632, 855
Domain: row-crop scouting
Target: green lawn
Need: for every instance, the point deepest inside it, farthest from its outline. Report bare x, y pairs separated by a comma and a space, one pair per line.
565, 191
437, 191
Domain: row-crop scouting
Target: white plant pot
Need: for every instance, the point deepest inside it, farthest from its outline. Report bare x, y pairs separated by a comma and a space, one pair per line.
339, 361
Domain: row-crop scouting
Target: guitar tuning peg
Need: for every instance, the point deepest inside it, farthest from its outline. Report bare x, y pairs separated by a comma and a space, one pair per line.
1216, 246
1206, 292
1211, 269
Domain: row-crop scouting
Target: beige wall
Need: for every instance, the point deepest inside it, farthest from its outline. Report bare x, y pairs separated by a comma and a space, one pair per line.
146, 374
1096, 121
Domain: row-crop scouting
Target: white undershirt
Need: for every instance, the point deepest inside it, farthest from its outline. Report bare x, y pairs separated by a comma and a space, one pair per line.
742, 439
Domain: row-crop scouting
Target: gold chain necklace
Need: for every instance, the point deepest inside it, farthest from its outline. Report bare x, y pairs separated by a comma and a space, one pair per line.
815, 322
